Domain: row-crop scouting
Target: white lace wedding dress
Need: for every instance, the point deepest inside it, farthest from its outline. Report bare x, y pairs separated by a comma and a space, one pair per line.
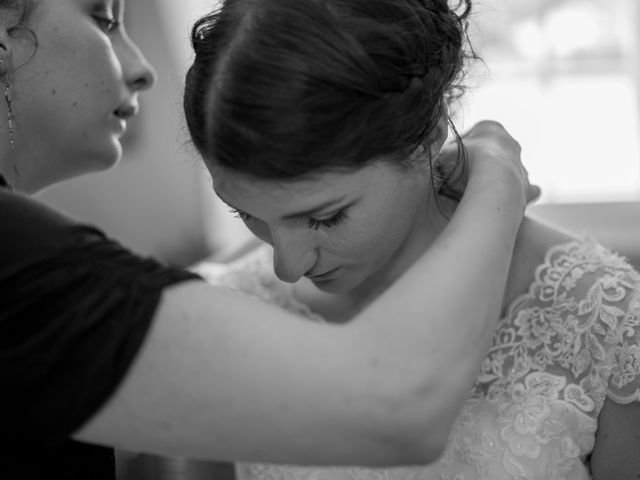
570, 341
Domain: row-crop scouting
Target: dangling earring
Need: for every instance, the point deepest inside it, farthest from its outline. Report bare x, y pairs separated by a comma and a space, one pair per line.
10, 118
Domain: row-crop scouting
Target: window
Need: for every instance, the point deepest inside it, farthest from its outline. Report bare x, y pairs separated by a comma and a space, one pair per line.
563, 77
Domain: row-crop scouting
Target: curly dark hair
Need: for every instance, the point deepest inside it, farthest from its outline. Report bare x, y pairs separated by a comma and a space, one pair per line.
283, 88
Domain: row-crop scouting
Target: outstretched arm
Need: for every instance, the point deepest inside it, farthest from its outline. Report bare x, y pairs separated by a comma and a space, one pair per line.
223, 376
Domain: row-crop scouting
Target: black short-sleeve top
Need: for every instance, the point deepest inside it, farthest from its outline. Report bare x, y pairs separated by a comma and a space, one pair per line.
74, 309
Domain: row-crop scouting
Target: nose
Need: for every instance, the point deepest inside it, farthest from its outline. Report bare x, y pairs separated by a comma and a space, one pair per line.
139, 73
293, 254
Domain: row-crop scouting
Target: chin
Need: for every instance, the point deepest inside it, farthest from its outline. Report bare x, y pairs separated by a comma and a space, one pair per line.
107, 159
337, 286
330, 287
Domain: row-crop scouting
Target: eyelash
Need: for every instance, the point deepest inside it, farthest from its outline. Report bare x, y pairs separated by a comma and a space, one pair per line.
245, 217
328, 222
312, 223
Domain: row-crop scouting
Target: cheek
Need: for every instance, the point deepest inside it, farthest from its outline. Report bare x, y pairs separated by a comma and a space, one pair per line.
362, 239
377, 233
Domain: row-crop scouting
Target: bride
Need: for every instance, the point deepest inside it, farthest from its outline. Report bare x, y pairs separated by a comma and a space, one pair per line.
324, 120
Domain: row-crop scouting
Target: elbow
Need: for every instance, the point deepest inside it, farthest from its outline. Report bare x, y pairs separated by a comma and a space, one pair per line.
417, 426
418, 449
422, 440
410, 447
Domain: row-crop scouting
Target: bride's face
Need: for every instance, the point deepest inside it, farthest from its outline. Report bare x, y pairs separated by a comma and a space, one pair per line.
336, 228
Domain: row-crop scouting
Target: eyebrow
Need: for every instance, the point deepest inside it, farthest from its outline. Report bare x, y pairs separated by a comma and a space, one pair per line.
304, 213
316, 209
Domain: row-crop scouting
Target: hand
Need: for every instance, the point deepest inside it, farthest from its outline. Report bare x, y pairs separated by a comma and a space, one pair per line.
489, 147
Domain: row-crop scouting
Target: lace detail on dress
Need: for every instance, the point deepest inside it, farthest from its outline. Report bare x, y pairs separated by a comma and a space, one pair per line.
580, 318
549, 369
572, 339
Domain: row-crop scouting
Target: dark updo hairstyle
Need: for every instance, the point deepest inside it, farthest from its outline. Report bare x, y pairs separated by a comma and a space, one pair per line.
284, 88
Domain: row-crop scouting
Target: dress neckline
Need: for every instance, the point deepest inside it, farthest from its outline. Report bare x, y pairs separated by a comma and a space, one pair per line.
553, 254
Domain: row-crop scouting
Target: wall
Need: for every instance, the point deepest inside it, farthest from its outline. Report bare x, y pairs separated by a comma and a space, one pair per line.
616, 225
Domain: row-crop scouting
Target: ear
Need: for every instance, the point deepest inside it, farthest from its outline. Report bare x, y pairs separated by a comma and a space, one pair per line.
6, 48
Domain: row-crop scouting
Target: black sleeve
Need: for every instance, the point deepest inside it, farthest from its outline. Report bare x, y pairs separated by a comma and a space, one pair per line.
74, 309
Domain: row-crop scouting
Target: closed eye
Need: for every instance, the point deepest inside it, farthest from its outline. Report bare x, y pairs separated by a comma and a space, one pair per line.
245, 217
330, 222
312, 223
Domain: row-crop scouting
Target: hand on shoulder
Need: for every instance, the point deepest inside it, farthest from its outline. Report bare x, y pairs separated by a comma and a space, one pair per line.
489, 150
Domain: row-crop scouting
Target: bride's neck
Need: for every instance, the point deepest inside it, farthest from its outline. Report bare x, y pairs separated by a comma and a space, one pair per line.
533, 240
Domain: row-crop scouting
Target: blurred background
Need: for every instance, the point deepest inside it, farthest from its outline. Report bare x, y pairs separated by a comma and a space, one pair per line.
562, 75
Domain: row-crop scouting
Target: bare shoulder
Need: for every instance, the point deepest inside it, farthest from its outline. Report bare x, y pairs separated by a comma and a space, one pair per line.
534, 240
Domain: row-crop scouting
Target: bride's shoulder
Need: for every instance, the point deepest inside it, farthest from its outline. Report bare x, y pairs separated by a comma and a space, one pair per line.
550, 265
548, 247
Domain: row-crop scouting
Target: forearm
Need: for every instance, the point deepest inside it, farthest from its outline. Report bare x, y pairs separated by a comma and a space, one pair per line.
437, 321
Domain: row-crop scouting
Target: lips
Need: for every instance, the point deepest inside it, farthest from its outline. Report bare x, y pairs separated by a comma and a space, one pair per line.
119, 124
322, 276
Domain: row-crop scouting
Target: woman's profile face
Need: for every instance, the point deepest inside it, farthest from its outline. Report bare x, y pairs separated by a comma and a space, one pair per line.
75, 90
338, 229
